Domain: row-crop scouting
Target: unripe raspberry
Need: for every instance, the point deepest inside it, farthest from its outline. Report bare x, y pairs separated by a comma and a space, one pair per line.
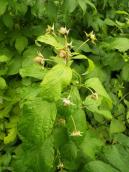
39, 60
63, 53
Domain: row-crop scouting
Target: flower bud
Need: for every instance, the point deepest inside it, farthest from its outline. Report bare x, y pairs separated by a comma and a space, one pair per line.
64, 31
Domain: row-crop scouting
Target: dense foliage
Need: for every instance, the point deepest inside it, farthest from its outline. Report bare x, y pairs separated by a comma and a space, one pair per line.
64, 79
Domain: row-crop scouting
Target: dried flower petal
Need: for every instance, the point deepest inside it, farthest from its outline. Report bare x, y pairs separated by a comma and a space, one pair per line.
76, 133
60, 165
67, 102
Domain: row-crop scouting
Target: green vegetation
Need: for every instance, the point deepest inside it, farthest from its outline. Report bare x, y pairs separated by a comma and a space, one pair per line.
64, 79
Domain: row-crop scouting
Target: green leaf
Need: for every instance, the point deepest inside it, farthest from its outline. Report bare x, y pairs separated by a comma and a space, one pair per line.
3, 6
121, 139
34, 70
117, 126
11, 136
117, 156
35, 159
91, 63
51, 40
90, 145
127, 116
80, 45
99, 72
21, 8
79, 118
14, 65
3, 58
69, 151
51, 10
98, 166
96, 106
90, 4
38, 9
125, 72
8, 21
42, 116
121, 44
70, 5
75, 96
96, 84
54, 81
109, 22
5, 160
60, 136
122, 12
21, 43
82, 5
2, 83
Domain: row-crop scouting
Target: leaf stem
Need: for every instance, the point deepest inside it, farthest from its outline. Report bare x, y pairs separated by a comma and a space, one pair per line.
82, 44
74, 123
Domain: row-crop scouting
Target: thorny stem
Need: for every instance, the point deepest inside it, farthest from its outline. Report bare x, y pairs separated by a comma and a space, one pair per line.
65, 41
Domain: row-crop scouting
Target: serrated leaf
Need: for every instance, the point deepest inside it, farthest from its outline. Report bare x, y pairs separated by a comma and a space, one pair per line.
21, 43
69, 151
90, 145
51, 40
42, 116
117, 156
35, 159
3, 6
117, 126
54, 81
98, 166
34, 70
121, 139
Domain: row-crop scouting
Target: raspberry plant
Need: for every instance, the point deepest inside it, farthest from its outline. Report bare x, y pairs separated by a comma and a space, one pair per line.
64, 73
